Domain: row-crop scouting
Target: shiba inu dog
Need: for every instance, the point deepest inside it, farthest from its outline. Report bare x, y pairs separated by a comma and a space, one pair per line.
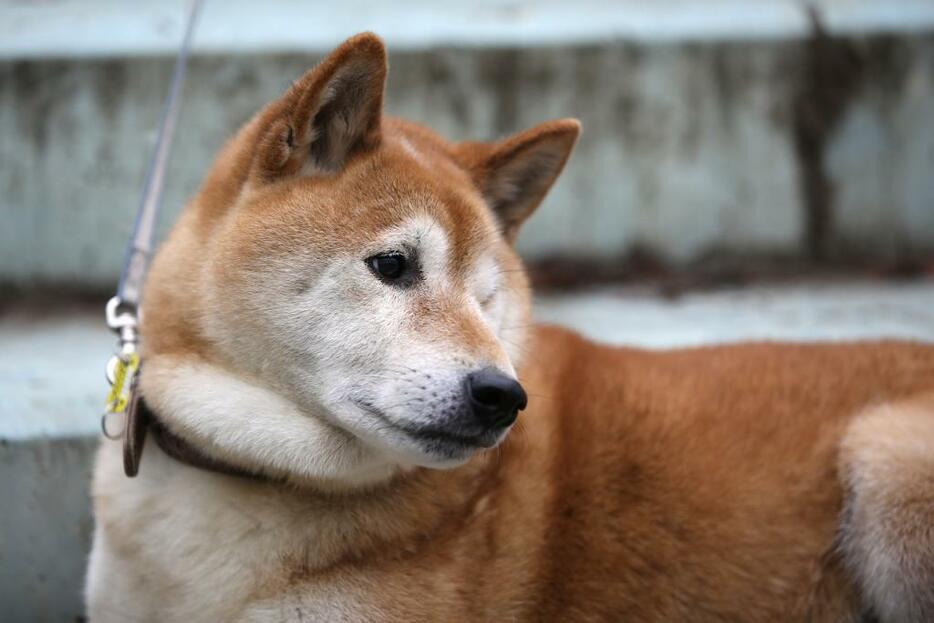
338, 344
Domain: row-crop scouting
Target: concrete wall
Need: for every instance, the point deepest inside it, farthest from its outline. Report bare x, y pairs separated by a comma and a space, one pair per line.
45, 528
789, 148
51, 394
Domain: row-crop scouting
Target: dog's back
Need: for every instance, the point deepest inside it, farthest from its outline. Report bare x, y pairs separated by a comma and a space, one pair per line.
710, 482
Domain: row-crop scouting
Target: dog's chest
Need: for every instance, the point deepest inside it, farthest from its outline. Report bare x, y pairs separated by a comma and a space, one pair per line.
213, 548
313, 603
404, 593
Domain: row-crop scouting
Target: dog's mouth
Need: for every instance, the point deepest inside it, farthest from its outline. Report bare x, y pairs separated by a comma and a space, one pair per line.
435, 439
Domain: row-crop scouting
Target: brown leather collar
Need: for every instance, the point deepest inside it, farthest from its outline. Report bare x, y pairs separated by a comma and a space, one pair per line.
140, 419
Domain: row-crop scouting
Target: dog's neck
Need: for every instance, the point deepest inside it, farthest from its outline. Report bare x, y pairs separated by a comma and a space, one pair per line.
184, 451
239, 422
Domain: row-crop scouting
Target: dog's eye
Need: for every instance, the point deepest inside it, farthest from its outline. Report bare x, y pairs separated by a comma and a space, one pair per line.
388, 266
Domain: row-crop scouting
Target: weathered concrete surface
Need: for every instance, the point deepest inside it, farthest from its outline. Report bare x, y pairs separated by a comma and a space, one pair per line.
51, 392
52, 388
112, 28
809, 311
45, 527
689, 149
51, 370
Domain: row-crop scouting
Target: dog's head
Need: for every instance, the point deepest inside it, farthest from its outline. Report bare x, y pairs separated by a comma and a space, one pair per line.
363, 267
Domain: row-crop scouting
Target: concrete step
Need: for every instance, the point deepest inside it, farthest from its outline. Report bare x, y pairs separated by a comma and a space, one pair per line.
69, 28
52, 388
730, 129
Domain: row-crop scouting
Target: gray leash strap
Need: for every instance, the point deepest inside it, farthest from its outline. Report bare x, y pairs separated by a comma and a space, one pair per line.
140, 246
122, 311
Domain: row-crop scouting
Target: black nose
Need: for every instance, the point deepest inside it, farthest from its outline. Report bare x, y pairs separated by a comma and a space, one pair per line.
495, 397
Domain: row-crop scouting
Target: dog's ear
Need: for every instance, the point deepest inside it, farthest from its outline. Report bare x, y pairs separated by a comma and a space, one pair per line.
328, 115
516, 173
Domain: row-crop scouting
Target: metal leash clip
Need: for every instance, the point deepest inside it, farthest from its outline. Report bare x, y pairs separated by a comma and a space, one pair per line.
122, 367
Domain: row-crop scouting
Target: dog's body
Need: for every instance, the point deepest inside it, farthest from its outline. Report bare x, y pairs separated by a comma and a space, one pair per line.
313, 319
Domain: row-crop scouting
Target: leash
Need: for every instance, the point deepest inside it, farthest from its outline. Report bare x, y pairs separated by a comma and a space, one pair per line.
123, 310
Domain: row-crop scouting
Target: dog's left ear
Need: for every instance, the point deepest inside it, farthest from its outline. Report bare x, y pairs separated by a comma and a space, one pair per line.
331, 113
516, 173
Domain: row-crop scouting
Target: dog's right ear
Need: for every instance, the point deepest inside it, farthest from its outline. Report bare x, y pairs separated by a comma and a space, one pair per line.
515, 174
330, 114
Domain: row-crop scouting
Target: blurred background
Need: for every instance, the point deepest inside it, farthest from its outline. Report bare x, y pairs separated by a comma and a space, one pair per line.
749, 169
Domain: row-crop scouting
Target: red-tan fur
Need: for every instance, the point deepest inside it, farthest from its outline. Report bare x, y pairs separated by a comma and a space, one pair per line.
757, 482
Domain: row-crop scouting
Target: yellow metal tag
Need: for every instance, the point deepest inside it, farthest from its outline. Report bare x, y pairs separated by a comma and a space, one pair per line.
124, 371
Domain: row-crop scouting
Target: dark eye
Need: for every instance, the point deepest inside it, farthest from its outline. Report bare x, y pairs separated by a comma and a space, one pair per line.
388, 266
